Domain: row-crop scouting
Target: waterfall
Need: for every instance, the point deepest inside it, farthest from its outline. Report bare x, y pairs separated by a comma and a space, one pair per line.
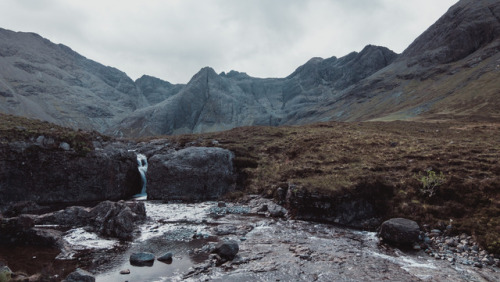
142, 165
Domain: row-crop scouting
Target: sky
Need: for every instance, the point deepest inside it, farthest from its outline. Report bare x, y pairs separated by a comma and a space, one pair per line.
174, 39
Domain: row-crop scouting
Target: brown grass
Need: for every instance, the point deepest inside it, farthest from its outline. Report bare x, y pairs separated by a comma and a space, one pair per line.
15, 128
334, 158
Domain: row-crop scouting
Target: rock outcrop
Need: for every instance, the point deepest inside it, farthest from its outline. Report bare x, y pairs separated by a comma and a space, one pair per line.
191, 174
46, 174
109, 219
358, 208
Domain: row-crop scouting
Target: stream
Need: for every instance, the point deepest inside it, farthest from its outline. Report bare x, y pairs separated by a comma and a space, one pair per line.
271, 249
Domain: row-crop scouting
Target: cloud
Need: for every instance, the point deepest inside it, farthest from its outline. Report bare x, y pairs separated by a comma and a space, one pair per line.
173, 39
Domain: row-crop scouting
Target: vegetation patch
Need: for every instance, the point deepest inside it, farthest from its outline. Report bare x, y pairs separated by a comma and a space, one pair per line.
15, 128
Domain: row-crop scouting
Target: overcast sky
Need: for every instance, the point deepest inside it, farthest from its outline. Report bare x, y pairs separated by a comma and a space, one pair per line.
174, 39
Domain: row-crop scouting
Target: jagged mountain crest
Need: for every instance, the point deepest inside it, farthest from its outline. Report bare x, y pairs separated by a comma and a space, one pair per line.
450, 71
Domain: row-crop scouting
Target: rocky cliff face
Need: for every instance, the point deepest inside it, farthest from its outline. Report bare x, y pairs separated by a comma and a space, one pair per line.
156, 90
50, 174
47, 164
211, 102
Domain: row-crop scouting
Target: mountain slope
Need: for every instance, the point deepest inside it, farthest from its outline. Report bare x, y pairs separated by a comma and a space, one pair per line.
451, 71
40, 79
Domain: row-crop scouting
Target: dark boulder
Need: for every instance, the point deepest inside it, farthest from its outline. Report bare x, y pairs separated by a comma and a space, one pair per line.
80, 275
166, 258
191, 174
227, 250
142, 259
400, 231
47, 174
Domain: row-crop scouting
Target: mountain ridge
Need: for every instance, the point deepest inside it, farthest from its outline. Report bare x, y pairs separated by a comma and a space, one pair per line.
449, 72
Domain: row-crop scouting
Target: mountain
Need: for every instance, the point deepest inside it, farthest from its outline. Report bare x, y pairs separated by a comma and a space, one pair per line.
51, 82
212, 102
450, 72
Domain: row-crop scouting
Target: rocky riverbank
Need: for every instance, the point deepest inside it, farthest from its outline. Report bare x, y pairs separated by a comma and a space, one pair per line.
270, 246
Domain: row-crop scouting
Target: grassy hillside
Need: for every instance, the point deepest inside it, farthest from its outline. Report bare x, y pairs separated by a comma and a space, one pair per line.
15, 128
335, 158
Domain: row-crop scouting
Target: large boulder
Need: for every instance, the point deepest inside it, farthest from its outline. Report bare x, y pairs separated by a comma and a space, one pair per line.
227, 250
142, 259
117, 219
400, 231
191, 174
45, 173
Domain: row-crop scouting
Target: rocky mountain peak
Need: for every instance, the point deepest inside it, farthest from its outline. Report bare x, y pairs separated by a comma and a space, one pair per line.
466, 27
235, 75
204, 73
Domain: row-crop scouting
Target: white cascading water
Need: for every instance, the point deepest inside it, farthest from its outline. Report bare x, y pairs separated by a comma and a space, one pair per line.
142, 165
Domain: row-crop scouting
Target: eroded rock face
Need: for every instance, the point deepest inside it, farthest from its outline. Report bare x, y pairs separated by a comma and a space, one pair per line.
358, 209
400, 231
47, 174
191, 174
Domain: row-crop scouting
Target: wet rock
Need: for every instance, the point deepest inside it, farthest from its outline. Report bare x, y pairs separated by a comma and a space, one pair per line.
117, 219
125, 271
166, 257
222, 230
276, 211
80, 275
227, 250
210, 172
399, 231
266, 207
142, 259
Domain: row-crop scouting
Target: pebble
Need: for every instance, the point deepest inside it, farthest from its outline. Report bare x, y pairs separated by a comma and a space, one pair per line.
456, 249
125, 271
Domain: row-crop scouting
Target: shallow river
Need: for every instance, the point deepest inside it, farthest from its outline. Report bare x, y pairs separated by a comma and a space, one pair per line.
270, 250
